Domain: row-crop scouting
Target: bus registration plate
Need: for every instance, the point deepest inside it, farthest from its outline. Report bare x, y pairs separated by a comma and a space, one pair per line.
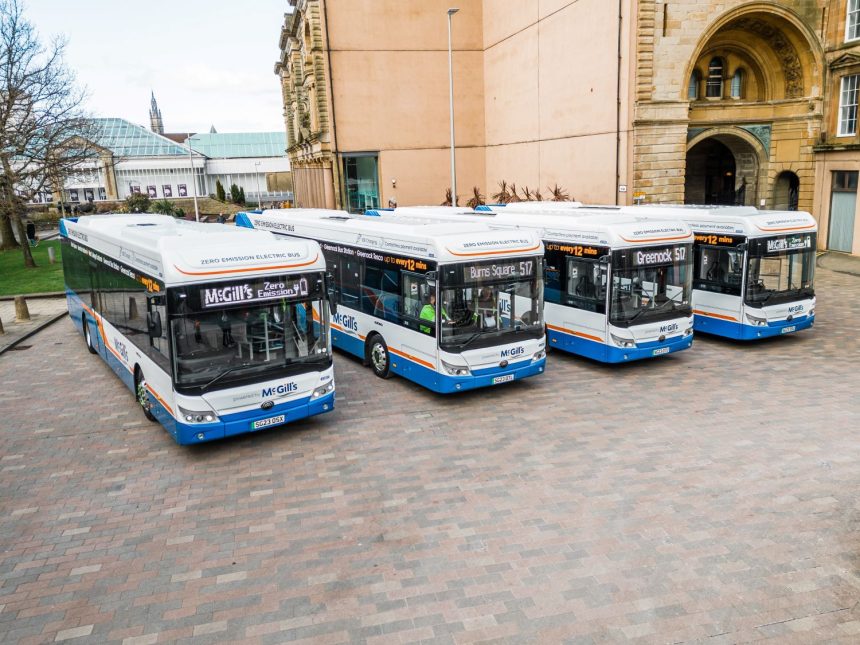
265, 423
789, 329
660, 350
503, 379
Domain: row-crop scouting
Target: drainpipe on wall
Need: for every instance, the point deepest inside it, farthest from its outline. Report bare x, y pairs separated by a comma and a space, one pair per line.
335, 169
618, 110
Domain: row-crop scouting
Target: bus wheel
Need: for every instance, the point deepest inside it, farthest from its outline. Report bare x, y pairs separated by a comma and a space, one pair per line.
380, 359
88, 337
140, 394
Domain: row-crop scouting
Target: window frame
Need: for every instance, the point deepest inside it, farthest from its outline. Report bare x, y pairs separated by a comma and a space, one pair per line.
841, 120
737, 78
709, 83
849, 14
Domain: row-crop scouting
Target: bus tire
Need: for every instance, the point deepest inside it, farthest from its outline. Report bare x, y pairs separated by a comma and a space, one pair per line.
140, 393
379, 356
88, 336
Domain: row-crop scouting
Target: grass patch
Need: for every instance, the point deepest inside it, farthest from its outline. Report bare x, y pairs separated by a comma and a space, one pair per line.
15, 279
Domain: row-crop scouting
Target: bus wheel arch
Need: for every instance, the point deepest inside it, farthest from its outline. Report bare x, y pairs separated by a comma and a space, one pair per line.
378, 356
88, 335
140, 393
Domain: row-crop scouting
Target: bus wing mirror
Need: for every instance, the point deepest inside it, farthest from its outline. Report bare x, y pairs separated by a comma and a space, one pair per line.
153, 324
604, 259
331, 292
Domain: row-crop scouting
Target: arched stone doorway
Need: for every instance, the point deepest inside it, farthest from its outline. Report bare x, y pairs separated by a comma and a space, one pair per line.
786, 191
722, 169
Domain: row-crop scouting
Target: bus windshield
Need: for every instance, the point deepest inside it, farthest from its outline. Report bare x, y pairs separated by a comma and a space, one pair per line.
490, 303
651, 284
780, 269
228, 333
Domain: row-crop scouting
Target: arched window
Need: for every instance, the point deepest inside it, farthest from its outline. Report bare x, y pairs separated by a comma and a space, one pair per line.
714, 88
737, 84
693, 88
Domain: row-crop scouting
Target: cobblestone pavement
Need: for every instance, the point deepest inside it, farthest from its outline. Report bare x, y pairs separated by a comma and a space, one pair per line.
705, 496
42, 311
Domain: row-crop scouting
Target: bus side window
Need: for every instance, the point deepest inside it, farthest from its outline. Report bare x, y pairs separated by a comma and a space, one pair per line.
586, 284
350, 283
159, 351
718, 269
413, 297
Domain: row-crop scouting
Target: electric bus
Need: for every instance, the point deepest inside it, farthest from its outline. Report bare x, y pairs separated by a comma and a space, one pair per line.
753, 269
617, 287
451, 307
216, 330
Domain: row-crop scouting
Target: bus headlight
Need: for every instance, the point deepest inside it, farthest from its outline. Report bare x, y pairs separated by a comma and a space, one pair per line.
623, 342
193, 416
688, 331
811, 312
455, 370
322, 390
539, 355
756, 321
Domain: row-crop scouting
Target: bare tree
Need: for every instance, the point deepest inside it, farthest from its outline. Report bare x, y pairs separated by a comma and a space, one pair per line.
44, 133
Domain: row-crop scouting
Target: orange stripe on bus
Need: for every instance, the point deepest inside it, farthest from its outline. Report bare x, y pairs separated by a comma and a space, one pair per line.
469, 255
790, 228
575, 333
412, 358
248, 269
710, 315
160, 400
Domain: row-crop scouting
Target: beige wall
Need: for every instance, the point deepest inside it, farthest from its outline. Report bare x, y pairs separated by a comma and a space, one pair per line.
826, 164
550, 72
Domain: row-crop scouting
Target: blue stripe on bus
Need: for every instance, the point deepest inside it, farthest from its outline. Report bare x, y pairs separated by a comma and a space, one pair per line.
740, 331
609, 354
433, 380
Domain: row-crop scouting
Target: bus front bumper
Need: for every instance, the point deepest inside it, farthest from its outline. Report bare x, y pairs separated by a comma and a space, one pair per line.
487, 377
741, 331
243, 422
648, 350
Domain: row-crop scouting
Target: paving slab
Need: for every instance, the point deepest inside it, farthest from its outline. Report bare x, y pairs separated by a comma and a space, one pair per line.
43, 312
705, 496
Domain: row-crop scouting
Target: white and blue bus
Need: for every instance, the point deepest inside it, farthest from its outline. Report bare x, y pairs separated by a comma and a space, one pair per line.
216, 330
753, 269
617, 287
451, 307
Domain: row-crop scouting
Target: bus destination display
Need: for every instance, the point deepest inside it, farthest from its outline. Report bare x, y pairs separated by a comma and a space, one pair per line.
253, 291
499, 270
651, 256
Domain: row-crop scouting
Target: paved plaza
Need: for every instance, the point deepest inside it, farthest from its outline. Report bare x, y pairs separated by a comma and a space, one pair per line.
709, 496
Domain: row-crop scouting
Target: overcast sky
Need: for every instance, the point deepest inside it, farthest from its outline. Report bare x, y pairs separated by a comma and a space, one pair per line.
209, 62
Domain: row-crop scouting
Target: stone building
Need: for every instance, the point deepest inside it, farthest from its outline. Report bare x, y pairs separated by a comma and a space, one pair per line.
704, 101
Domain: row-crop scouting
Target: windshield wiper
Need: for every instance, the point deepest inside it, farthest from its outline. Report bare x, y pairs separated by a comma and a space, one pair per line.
226, 372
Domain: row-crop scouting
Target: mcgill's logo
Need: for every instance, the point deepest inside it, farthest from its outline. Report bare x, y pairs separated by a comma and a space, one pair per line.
667, 329
237, 293
349, 322
280, 390
796, 309
511, 353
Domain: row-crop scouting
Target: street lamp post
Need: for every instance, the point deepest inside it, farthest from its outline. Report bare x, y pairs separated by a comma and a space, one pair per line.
193, 180
259, 195
451, 12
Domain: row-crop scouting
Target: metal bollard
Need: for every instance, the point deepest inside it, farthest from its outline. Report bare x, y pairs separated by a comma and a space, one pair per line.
22, 314
51, 257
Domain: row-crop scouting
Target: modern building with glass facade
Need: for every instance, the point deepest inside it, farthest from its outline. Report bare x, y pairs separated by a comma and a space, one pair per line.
749, 102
